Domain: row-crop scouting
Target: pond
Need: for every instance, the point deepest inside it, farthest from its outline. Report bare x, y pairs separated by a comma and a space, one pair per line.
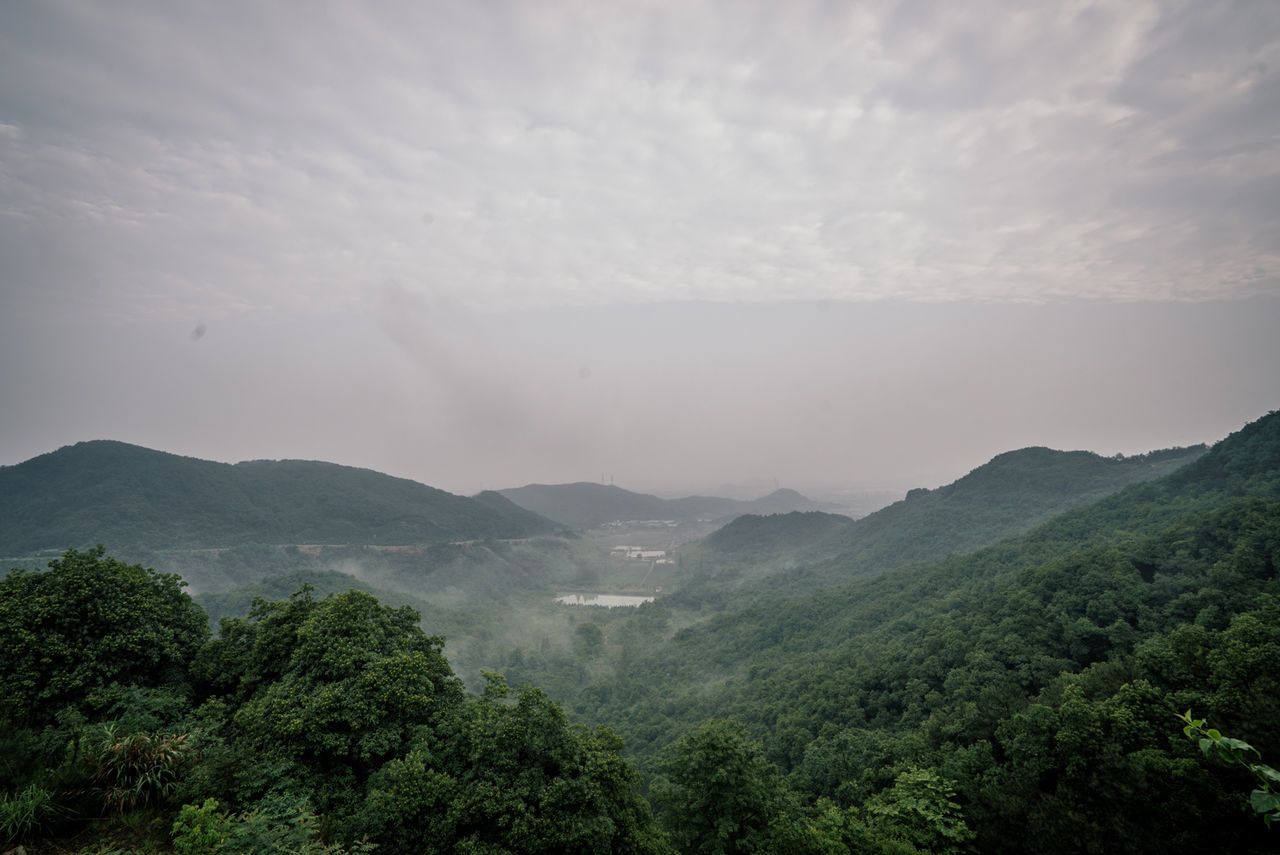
602, 600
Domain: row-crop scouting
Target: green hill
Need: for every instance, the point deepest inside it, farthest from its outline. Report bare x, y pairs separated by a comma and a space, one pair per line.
133, 497
1040, 675
797, 622
1021, 697
1012, 493
585, 505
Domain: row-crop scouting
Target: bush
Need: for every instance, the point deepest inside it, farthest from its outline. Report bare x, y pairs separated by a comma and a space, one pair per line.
275, 826
138, 770
24, 813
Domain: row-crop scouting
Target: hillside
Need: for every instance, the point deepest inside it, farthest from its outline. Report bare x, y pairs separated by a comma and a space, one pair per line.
1039, 675
1011, 493
585, 505
133, 497
1021, 697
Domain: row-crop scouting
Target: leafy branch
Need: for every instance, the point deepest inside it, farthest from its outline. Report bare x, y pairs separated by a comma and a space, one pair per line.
1236, 752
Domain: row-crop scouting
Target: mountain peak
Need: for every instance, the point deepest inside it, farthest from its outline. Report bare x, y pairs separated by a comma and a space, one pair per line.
104, 491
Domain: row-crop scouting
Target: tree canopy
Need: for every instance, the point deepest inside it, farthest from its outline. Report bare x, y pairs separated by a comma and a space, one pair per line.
83, 634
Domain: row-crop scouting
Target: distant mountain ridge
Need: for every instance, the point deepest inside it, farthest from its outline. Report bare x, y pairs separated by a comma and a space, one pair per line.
587, 505
1012, 492
103, 491
839, 645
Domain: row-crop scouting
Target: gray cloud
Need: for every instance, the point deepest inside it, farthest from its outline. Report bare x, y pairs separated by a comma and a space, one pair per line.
267, 173
576, 154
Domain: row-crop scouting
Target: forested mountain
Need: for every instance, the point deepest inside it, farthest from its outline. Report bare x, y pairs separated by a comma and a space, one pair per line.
1038, 679
128, 496
1012, 493
310, 725
840, 698
586, 505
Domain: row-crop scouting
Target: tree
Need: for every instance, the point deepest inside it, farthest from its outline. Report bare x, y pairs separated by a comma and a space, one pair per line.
588, 639
87, 632
920, 809
331, 688
510, 778
721, 796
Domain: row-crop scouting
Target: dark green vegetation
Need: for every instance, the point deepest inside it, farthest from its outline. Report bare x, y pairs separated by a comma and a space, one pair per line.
1009, 494
1001, 665
135, 498
307, 723
586, 505
1038, 679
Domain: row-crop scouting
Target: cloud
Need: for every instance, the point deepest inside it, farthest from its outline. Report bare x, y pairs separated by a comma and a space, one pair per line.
579, 154
443, 215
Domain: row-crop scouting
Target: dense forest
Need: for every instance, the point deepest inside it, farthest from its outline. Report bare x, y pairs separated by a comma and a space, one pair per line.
584, 505
1015, 663
113, 492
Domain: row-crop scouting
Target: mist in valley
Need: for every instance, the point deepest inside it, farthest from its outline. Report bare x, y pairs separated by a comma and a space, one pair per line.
914, 362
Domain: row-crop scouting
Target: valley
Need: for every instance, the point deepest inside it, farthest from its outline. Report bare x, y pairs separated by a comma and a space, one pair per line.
935, 637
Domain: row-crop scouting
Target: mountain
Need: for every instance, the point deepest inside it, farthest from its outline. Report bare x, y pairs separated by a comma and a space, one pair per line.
1148, 533
1040, 677
1011, 493
517, 516
129, 496
585, 505
753, 538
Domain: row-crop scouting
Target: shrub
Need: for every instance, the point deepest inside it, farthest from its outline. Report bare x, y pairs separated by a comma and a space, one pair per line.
138, 770
24, 813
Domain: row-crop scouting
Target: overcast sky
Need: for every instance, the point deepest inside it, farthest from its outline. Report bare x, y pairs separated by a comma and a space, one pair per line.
679, 244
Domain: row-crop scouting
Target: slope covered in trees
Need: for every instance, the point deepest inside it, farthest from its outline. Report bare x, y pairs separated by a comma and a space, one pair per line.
586, 505
112, 492
309, 725
1024, 697
1010, 494
1038, 678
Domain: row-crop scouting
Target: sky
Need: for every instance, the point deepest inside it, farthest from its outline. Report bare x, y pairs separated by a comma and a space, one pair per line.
675, 245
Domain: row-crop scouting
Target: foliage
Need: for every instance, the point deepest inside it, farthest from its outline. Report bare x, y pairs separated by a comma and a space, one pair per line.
719, 795
1265, 800
24, 813
509, 777
275, 828
1012, 699
86, 632
328, 689
199, 829
138, 769
1036, 674
1010, 494
920, 809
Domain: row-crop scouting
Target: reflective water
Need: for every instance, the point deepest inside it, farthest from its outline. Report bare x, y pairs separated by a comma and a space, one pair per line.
602, 600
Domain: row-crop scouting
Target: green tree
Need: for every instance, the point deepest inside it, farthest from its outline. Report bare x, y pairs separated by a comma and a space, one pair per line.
510, 778
720, 795
588, 639
326, 690
920, 809
88, 632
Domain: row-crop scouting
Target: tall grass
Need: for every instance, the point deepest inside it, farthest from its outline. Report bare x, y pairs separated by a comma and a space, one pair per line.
138, 769
24, 812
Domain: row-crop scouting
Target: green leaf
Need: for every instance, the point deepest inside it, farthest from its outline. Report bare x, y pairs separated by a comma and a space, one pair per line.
1265, 772
1238, 744
1264, 802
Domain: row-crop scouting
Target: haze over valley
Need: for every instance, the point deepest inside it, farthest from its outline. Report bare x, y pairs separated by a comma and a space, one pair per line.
650, 428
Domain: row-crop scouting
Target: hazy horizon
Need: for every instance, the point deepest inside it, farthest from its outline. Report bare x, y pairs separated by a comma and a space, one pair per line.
480, 246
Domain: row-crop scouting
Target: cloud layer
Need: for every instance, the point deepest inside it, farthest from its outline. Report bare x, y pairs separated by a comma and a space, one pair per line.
489, 243
506, 155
